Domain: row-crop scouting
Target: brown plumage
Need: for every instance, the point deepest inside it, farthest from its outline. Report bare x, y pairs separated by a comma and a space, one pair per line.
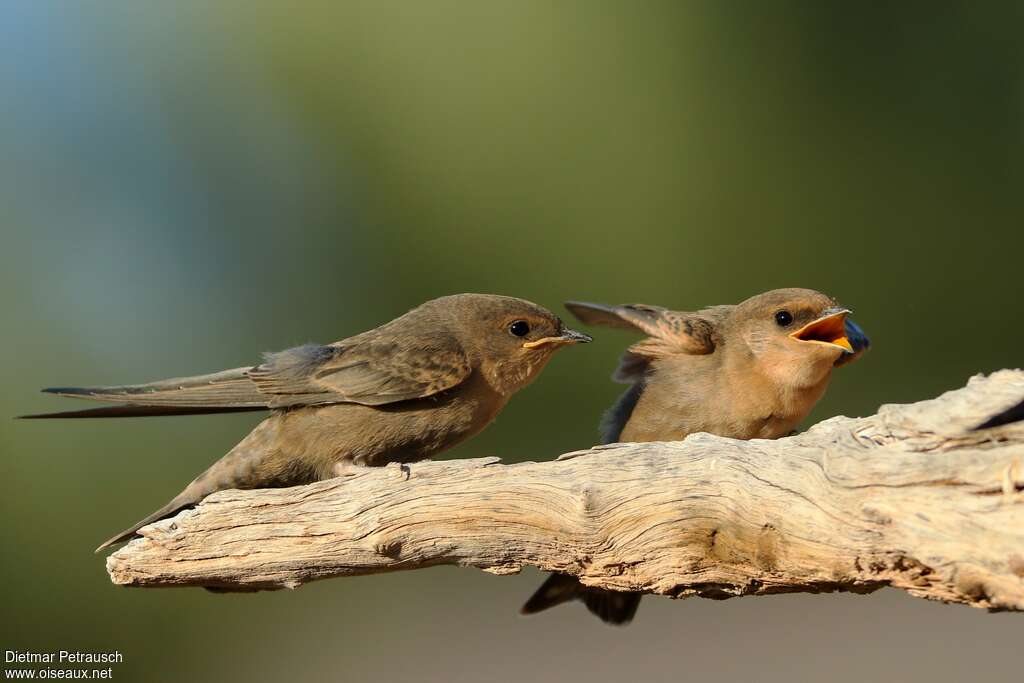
753, 370
402, 392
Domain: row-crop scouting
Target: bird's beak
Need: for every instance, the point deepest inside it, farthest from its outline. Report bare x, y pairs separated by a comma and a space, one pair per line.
567, 337
829, 329
858, 340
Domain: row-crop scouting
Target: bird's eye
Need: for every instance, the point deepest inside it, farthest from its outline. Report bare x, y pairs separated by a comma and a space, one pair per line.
783, 318
519, 328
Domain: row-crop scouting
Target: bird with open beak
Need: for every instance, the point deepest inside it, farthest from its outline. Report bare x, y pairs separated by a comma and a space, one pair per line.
402, 392
748, 371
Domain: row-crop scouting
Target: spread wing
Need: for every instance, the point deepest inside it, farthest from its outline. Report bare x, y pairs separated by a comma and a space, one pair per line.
370, 369
668, 332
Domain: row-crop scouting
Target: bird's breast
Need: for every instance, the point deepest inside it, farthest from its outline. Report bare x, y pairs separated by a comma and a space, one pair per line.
697, 396
377, 435
768, 411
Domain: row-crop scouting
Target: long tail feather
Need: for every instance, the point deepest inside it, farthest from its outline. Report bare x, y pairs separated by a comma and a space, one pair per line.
228, 391
238, 469
126, 535
229, 388
612, 607
558, 588
129, 410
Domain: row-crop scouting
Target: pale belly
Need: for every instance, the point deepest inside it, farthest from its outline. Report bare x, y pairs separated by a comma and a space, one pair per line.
666, 418
322, 438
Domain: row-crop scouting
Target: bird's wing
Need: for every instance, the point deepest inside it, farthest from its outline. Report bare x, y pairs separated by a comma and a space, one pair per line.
367, 369
370, 369
694, 333
226, 389
668, 332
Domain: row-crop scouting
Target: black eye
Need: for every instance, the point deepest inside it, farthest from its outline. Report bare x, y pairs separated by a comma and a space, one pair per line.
519, 328
783, 318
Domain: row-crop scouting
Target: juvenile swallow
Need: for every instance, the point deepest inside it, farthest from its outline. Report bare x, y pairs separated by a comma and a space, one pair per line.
748, 371
402, 392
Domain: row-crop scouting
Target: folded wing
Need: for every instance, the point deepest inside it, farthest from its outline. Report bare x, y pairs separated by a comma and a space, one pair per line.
368, 369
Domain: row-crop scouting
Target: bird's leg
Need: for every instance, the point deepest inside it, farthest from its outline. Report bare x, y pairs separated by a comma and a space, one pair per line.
406, 467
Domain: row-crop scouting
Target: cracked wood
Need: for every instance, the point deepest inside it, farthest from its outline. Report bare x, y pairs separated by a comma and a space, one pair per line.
911, 497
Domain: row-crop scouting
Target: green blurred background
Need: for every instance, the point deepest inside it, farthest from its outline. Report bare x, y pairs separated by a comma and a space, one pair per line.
185, 185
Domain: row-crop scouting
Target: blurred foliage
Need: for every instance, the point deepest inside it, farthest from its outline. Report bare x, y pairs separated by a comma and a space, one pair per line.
186, 185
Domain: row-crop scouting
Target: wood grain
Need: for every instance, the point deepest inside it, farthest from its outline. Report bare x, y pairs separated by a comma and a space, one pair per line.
911, 497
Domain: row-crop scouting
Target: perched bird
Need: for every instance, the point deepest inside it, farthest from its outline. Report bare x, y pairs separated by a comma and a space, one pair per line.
749, 371
402, 392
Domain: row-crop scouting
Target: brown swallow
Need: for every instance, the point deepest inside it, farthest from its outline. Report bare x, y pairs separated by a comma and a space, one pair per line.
749, 371
402, 392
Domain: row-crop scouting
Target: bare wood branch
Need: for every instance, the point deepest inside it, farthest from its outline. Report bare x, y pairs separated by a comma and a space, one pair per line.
910, 497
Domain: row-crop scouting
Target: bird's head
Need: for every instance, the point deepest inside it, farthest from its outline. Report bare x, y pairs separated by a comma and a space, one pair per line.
796, 336
510, 339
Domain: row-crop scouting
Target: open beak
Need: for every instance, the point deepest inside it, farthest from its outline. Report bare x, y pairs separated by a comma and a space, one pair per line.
829, 329
567, 337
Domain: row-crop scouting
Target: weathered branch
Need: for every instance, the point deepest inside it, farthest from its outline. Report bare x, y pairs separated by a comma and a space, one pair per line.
910, 497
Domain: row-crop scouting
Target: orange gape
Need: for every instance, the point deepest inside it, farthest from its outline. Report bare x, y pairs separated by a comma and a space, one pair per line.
745, 371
